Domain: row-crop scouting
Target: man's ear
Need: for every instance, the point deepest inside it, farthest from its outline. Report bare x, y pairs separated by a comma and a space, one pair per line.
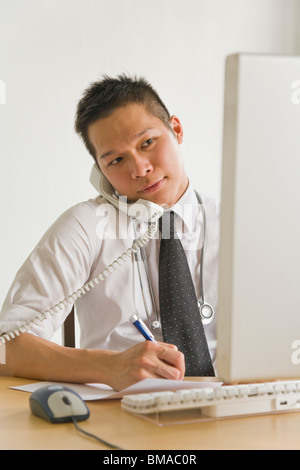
177, 128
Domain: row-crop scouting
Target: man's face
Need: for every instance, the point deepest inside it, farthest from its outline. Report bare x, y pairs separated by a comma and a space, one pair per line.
139, 155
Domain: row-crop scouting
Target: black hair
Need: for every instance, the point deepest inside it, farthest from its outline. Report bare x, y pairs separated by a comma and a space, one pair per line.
101, 98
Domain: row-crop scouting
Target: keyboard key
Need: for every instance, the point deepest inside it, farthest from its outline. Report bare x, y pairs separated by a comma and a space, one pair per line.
231, 391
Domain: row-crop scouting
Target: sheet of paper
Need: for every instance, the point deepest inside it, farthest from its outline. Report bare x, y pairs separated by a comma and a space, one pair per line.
87, 392
90, 392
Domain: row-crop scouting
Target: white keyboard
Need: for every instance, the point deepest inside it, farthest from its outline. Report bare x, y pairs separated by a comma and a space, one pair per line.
222, 401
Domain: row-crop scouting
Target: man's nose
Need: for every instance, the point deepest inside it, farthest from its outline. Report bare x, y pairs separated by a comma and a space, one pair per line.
140, 167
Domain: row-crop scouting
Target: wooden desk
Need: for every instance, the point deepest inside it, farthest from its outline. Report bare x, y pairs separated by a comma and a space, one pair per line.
19, 429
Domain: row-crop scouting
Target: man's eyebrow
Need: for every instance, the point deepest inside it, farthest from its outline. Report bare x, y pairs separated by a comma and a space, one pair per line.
107, 154
136, 136
139, 134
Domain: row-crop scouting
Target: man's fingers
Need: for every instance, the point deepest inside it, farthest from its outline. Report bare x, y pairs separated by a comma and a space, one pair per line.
168, 345
145, 360
173, 361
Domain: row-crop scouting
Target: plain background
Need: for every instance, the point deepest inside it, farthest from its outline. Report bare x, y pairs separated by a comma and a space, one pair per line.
50, 50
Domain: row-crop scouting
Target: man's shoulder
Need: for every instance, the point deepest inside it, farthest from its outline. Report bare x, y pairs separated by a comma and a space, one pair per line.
212, 205
84, 209
81, 218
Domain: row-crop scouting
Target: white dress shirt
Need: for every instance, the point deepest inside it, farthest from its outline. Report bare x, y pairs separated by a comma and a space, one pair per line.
79, 245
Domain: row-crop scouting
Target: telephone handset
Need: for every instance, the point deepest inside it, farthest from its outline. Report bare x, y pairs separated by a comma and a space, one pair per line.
141, 209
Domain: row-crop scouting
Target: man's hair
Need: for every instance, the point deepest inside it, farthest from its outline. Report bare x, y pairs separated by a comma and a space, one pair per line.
101, 98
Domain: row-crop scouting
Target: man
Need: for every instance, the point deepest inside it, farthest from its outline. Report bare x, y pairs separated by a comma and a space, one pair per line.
136, 145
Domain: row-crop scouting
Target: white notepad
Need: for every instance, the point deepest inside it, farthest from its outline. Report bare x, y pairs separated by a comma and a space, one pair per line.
90, 392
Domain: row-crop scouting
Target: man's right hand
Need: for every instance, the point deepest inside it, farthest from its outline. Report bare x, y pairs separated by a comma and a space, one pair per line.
145, 360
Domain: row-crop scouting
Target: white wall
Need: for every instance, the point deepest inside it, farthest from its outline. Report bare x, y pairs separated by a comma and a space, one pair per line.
50, 50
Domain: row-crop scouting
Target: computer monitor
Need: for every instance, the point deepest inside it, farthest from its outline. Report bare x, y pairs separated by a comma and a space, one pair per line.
258, 327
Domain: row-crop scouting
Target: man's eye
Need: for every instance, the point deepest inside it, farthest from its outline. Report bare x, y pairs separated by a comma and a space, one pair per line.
147, 142
115, 161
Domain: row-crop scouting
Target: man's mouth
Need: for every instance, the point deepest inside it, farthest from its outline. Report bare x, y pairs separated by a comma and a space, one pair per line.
152, 187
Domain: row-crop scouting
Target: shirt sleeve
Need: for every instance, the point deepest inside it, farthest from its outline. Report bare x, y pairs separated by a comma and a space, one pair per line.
58, 266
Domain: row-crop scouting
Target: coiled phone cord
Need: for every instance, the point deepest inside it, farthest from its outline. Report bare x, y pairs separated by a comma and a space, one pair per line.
70, 299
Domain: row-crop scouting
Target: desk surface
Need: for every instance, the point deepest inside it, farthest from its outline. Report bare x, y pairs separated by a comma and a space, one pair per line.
19, 429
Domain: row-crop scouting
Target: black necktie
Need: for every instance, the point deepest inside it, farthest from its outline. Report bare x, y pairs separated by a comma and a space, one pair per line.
180, 316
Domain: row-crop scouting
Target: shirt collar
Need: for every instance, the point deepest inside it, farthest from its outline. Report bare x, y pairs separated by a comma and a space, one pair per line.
187, 208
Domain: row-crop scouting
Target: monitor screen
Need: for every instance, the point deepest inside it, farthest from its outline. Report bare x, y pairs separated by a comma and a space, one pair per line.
258, 328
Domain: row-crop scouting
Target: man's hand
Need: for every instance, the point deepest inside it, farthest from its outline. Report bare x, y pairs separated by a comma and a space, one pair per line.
145, 360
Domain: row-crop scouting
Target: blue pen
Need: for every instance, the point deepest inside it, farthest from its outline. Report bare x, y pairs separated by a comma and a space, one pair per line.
141, 327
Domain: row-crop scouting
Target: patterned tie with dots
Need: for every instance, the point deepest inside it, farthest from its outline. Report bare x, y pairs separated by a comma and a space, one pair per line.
180, 316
